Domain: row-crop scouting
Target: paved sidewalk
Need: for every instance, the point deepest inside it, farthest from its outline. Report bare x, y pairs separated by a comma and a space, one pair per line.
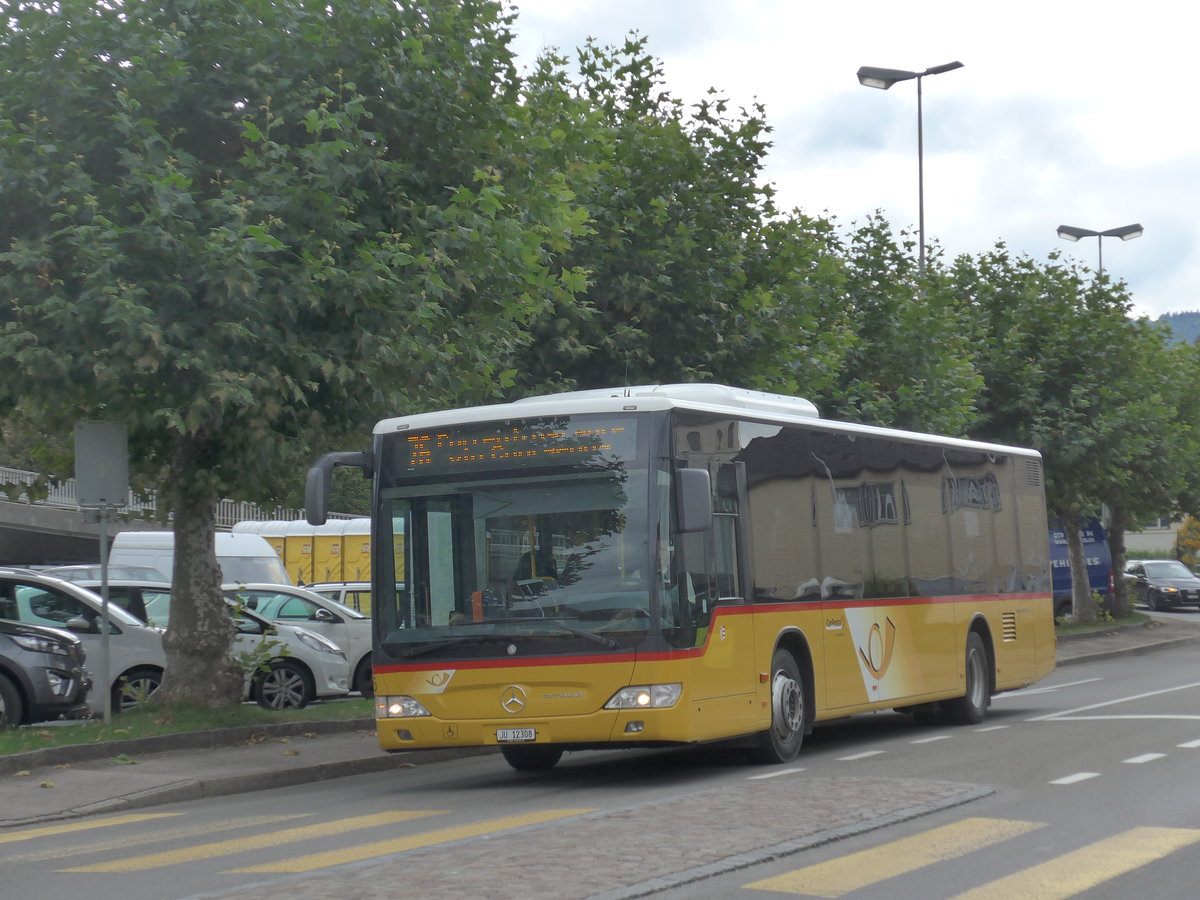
706, 833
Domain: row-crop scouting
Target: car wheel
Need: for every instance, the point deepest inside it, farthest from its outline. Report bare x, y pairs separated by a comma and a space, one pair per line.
532, 757
971, 707
363, 682
134, 688
12, 710
285, 685
781, 742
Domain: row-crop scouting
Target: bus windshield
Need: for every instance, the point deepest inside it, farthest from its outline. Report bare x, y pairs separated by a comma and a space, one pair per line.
533, 557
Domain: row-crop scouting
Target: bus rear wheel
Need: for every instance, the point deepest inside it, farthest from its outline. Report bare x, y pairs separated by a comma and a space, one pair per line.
781, 742
532, 757
971, 707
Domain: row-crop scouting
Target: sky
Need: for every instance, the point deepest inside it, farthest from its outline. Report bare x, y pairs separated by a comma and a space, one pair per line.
1064, 113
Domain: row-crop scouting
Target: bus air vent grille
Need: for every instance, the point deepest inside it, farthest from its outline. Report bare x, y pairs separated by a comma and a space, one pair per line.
1008, 623
1033, 472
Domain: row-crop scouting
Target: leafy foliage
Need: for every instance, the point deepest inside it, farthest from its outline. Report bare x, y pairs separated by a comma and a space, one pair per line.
237, 227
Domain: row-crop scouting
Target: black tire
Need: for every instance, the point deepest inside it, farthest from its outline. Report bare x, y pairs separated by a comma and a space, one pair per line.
134, 688
1152, 600
363, 682
285, 685
12, 710
532, 757
971, 707
781, 742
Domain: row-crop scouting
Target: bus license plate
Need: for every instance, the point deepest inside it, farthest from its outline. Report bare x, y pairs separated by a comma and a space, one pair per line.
516, 735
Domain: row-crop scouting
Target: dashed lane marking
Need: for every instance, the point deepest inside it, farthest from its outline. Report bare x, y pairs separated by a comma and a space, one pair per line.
1076, 778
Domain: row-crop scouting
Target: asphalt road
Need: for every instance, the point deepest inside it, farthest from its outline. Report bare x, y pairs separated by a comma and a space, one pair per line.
1095, 796
1080, 786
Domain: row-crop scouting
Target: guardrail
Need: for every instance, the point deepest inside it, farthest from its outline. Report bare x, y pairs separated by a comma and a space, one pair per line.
20, 486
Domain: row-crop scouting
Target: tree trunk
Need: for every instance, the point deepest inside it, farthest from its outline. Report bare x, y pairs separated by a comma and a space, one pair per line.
1116, 547
1083, 607
201, 670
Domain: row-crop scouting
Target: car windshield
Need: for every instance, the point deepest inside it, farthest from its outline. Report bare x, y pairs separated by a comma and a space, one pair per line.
1169, 568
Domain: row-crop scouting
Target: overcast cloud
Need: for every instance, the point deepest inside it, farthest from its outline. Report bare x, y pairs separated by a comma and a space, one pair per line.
1064, 113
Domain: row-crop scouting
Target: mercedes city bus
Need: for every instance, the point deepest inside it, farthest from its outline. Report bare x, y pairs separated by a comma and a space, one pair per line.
677, 564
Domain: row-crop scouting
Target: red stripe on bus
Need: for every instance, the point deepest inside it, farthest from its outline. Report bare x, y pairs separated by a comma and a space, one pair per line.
720, 612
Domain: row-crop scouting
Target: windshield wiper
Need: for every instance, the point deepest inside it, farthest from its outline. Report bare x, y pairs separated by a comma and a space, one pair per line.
590, 635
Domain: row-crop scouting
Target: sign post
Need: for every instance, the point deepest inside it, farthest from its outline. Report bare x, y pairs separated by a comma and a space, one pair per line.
102, 484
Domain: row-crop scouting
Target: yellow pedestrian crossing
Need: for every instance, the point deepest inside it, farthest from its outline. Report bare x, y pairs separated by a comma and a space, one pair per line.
1067, 875
856, 870
252, 842
315, 861
42, 831
1073, 873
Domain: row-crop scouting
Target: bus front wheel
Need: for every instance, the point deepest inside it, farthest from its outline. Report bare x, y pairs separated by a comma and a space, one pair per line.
971, 707
532, 757
781, 742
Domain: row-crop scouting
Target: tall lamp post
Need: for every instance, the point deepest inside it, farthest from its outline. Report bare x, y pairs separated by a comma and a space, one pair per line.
884, 79
1125, 233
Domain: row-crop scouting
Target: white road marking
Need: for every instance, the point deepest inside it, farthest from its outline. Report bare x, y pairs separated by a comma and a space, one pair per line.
1144, 758
1072, 712
1076, 778
1190, 745
1044, 689
863, 755
932, 739
775, 774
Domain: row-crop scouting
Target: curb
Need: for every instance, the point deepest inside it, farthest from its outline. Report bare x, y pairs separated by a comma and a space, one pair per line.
1128, 651
187, 740
199, 789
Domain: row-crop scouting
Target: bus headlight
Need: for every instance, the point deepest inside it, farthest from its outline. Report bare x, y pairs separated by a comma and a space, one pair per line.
399, 707
645, 696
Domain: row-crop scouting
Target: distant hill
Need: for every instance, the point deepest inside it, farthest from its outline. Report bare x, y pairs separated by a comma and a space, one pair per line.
1186, 325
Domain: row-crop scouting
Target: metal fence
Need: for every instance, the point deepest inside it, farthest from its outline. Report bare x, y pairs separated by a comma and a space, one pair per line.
15, 485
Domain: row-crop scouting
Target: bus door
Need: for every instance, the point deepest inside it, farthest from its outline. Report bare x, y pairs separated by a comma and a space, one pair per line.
723, 681
854, 636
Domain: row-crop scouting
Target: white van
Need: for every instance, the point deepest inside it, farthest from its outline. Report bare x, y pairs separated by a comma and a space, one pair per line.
243, 557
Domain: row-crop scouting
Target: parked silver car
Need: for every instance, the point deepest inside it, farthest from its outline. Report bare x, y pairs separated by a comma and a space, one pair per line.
346, 627
298, 666
136, 657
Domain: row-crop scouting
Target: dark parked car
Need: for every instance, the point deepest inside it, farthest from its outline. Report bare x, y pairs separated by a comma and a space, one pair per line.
41, 673
1162, 583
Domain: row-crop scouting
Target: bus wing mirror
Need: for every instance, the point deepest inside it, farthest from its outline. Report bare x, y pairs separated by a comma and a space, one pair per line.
320, 479
694, 499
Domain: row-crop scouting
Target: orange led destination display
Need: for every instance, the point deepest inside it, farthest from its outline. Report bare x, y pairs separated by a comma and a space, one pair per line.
519, 444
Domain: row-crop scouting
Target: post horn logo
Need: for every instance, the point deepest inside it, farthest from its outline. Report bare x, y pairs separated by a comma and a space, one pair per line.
877, 656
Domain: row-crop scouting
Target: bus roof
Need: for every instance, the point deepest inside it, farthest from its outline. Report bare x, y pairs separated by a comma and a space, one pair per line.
714, 398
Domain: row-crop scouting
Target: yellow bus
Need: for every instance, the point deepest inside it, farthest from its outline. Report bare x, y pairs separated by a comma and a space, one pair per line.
679, 564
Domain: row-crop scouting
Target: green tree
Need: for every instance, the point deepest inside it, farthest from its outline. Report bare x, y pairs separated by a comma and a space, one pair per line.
908, 363
1060, 359
1153, 446
239, 227
675, 209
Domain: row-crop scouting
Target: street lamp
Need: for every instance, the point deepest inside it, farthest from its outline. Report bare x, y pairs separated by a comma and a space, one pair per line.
1125, 233
884, 79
